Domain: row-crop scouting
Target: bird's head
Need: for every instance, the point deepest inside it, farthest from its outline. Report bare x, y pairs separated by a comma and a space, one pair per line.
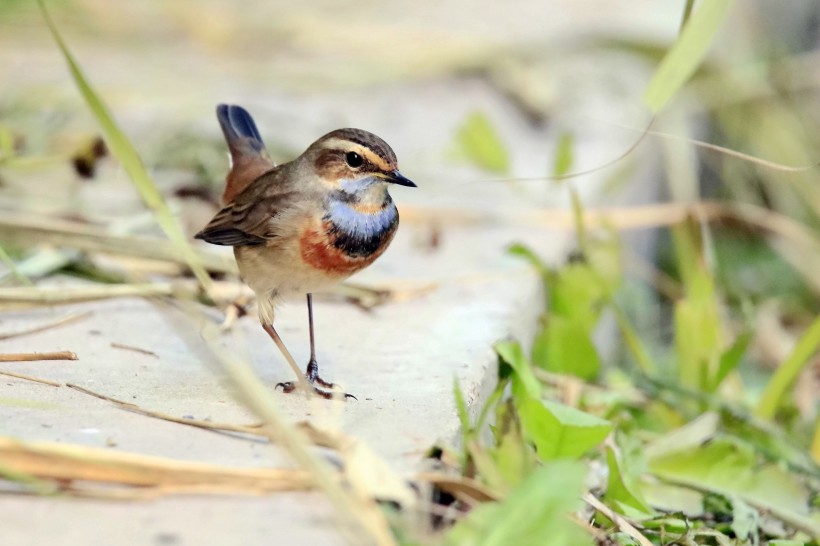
355, 162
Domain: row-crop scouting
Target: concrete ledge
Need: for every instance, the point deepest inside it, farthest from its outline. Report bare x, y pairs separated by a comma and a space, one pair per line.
400, 360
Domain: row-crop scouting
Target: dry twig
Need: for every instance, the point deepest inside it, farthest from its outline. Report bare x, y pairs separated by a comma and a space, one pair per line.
29, 357
135, 349
30, 378
317, 436
63, 462
45, 326
619, 520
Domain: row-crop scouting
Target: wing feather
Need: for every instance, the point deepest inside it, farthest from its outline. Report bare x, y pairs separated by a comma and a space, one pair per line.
250, 219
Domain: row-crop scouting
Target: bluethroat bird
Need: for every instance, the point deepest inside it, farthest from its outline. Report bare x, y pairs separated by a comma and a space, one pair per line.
306, 224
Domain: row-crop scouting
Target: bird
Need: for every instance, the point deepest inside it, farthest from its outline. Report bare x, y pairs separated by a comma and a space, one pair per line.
304, 225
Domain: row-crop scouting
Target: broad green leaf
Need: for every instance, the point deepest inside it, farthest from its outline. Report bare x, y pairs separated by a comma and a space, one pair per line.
729, 467
789, 369
537, 513
560, 431
564, 157
565, 346
512, 353
623, 496
479, 142
122, 148
684, 57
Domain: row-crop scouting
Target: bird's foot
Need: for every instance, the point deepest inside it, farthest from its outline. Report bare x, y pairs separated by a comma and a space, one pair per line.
328, 391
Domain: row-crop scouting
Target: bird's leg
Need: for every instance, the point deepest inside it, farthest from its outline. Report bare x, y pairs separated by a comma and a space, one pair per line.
290, 386
312, 371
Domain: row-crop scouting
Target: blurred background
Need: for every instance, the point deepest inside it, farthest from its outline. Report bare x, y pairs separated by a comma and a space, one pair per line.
710, 258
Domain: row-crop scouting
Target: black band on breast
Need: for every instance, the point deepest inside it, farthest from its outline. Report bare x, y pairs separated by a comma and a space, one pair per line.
361, 245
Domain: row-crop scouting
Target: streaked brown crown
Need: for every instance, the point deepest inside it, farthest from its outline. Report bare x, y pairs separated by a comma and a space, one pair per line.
330, 154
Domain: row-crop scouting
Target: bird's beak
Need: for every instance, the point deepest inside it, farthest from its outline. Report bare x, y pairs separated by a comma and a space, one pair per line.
395, 177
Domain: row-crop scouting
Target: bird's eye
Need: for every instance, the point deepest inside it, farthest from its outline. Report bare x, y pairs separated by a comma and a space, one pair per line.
354, 160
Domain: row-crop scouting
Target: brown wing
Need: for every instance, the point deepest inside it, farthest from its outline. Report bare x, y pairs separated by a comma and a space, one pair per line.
249, 219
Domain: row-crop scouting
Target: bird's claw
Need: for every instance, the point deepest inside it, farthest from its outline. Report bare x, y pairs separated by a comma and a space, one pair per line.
290, 386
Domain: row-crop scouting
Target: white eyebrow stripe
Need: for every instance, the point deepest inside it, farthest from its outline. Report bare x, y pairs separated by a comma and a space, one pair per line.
341, 144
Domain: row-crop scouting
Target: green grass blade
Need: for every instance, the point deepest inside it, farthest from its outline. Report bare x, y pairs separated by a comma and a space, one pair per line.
687, 12
686, 54
633, 341
787, 373
6, 260
122, 148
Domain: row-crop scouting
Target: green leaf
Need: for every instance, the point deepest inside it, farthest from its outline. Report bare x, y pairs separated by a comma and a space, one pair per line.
565, 346
787, 372
684, 57
618, 492
576, 291
699, 331
536, 513
508, 464
512, 353
730, 359
729, 467
564, 157
697, 343
461, 407
690, 436
560, 431
479, 142
525, 252
122, 148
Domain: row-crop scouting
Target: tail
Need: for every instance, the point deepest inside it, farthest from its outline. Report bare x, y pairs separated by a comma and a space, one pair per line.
249, 158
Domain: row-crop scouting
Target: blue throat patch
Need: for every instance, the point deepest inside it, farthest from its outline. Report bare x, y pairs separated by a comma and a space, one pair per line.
358, 233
